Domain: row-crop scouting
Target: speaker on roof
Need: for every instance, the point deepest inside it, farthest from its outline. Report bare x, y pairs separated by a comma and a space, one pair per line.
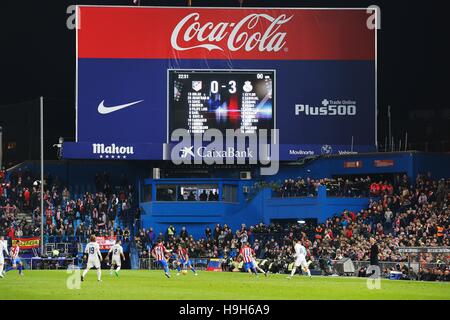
246, 175
156, 173
166, 153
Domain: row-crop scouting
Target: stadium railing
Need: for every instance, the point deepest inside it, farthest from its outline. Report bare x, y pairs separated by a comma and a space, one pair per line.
387, 266
151, 264
37, 263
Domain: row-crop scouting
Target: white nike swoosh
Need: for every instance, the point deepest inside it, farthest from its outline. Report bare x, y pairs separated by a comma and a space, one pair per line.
102, 109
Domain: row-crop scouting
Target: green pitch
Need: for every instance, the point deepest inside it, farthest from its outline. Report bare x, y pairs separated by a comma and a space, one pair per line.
207, 285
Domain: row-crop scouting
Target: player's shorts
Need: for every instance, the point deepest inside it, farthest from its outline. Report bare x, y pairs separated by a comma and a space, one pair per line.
163, 263
93, 264
186, 263
116, 261
301, 261
16, 261
248, 265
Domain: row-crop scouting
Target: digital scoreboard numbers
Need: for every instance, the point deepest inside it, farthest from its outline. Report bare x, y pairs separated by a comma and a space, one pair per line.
200, 100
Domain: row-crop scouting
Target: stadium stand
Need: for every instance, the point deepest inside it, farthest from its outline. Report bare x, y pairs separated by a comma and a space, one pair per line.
400, 214
71, 214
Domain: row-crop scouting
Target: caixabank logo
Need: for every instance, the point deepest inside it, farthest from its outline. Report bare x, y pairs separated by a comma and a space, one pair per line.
328, 107
235, 147
203, 152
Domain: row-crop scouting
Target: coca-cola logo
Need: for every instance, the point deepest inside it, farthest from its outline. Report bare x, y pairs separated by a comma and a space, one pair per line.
245, 34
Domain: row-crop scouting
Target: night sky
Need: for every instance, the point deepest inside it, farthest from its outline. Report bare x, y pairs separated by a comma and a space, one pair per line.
38, 59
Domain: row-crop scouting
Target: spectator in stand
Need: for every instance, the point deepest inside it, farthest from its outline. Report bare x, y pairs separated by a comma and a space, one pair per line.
203, 196
171, 232
208, 233
183, 233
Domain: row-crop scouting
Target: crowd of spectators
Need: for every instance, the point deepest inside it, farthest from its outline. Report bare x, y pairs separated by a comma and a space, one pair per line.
70, 216
335, 187
18, 194
170, 194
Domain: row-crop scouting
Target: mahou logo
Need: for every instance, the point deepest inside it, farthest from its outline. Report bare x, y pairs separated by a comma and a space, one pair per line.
245, 34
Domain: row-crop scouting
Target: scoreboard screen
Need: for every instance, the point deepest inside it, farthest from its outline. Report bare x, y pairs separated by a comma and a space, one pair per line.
216, 99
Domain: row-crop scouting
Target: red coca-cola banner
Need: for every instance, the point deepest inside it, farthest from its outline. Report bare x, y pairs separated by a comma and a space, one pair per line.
225, 33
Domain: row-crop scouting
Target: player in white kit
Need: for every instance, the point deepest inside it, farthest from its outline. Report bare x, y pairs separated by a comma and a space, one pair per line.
300, 259
94, 258
3, 248
117, 253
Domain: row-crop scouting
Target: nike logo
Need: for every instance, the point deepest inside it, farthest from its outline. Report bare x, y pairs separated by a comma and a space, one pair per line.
102, 109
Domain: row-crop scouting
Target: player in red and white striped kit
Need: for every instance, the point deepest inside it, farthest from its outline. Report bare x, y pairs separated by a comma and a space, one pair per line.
16, 262
248, 255
183, 260
159, 253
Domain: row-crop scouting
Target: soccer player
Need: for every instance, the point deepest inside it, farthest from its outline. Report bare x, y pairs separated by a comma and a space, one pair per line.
247, 254
117, 252
16, 262
158, 252
94, 258
3, 248
300, 259
183, 260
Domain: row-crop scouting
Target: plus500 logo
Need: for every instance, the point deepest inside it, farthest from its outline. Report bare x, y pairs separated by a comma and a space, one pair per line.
328, 108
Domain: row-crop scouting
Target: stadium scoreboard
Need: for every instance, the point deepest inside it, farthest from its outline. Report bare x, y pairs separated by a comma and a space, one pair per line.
247, 69
221, 99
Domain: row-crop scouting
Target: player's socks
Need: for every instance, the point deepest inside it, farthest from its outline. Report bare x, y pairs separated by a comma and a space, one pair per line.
309, 273
193, 270
1, 271
19, 267
84, 274
166, 269
293, 271
99, 275
178, 269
